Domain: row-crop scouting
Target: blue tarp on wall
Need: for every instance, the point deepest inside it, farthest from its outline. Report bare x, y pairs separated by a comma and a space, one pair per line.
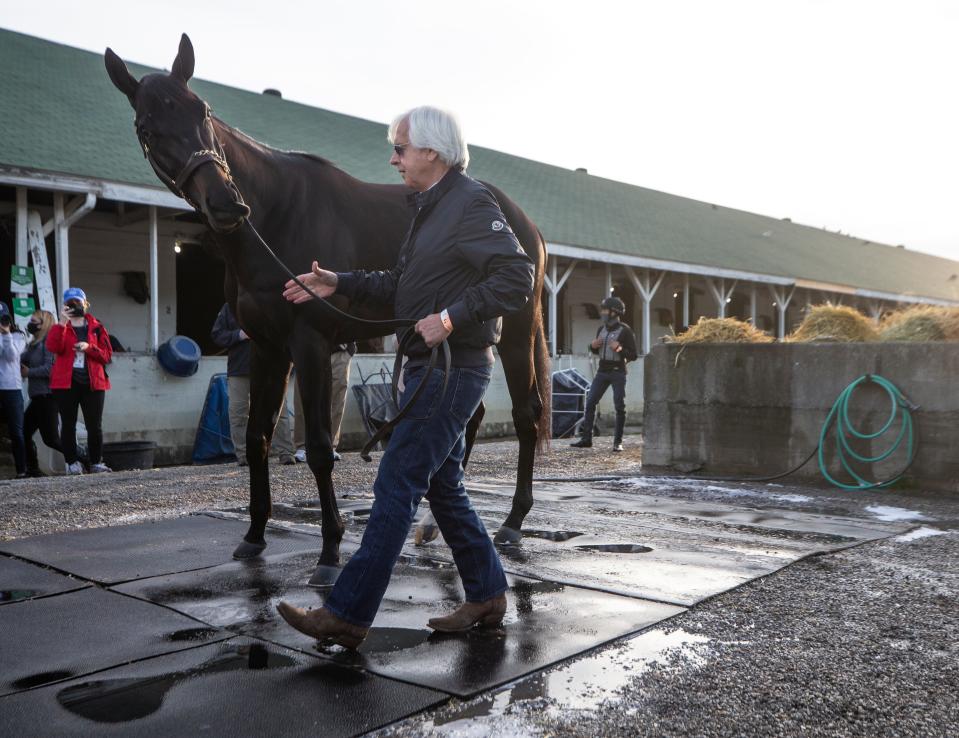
213, 441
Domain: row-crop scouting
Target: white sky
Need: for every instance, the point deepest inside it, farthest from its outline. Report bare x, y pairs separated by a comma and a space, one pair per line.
836, 113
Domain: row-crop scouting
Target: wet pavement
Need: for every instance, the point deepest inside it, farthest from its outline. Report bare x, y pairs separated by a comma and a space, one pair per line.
146, 628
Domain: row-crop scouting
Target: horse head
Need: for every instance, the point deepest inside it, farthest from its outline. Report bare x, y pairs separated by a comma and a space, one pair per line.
176, 131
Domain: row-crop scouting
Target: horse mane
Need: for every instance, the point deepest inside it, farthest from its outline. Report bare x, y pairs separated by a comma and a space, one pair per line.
272, 150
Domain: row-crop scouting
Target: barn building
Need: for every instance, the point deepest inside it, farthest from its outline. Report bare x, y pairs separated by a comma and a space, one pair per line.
73, 178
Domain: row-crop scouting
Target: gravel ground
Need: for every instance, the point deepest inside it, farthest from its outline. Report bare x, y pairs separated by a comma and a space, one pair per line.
34, 506
860, 643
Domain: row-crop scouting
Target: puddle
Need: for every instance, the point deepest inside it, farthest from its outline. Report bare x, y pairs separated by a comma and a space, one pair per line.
125, 699
44, 677
621, 548
583, 685
12, 595
923, 532
551, 535
894, 514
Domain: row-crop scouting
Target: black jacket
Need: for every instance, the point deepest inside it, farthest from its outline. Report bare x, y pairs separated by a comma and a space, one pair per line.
610, 360
226, 334
459, 254
39, 362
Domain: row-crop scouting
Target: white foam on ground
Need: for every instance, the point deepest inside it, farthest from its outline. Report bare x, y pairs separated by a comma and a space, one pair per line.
894, 514
923, 532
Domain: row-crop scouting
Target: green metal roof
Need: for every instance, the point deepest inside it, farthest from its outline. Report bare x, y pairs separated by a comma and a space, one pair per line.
60, 113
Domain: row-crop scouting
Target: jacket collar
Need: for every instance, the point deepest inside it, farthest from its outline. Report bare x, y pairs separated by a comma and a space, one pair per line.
435, 193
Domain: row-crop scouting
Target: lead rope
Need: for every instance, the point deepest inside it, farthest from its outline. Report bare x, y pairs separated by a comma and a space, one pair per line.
388, 426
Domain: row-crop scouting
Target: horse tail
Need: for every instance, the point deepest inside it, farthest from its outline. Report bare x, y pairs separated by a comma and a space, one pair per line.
542, 367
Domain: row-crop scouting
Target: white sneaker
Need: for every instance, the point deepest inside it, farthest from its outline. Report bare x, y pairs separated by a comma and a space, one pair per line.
100, 467
75, 468
300, 455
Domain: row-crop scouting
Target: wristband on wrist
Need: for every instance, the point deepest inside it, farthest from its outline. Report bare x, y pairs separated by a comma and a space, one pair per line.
447, 323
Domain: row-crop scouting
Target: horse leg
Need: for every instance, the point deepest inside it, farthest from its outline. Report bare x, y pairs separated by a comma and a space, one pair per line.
526, 370
311, 356
268, 377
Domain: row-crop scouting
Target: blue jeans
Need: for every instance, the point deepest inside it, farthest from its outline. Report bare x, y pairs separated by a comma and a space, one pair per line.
424, 457
602, 382
12, 403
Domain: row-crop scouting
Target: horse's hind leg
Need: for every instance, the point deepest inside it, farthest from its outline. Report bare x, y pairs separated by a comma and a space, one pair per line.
518, 365
268, 377
311, 356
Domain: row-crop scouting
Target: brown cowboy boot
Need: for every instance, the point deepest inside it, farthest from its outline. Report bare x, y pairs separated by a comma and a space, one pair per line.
487, 614
323, 625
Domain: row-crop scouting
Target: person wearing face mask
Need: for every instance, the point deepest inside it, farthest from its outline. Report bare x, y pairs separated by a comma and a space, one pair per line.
12, 342
36, 363
79, 380
615, 345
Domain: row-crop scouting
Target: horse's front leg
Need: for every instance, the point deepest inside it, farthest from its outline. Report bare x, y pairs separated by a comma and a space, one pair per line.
268, 377
311, 355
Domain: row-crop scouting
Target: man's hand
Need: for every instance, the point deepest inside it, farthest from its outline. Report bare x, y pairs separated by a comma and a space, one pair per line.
432, 330
24, 371
322, 282
596, 343
616, 346
4, 329
81, 346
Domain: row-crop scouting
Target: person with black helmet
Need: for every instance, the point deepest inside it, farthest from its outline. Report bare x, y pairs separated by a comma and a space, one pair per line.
616, 346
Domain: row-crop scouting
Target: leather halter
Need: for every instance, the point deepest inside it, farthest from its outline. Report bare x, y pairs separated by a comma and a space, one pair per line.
177, 185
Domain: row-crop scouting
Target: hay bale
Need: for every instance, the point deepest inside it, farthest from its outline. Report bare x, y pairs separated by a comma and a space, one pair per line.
721, 330
836, 324
921, 323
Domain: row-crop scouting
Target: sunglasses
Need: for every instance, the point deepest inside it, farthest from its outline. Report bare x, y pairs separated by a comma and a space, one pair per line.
400, 148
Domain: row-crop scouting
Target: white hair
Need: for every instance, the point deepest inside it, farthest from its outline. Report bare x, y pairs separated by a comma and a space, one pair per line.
436, 129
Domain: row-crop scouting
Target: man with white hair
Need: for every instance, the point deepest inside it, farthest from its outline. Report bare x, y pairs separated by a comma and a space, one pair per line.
460, 269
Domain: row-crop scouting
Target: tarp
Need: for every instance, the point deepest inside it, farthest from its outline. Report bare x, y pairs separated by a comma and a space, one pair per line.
375, 402
213, 441
569, 401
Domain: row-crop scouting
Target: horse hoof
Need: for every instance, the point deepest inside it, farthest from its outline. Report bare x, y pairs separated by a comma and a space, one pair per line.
507, 535
324, 576
247, 550
426, 533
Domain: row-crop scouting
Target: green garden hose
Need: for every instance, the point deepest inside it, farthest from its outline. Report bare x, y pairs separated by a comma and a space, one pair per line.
900, 409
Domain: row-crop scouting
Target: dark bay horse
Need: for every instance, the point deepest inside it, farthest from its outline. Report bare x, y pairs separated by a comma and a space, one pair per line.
306, 208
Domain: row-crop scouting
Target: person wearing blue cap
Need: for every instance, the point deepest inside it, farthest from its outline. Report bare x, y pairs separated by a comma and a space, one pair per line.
12, 343
79, 380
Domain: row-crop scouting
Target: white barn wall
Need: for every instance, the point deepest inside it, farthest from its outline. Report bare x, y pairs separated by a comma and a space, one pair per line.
99, 254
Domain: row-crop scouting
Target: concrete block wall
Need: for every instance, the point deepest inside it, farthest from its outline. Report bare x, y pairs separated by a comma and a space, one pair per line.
756, 410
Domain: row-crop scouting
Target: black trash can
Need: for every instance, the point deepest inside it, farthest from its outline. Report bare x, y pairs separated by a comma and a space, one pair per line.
125, 455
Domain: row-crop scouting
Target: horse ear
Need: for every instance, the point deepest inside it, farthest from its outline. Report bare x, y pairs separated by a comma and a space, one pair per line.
183, 64
120, 75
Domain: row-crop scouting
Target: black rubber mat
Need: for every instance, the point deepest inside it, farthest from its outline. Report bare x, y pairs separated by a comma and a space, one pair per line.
125, 552
55, 638
20, 580
235, 688
546, 622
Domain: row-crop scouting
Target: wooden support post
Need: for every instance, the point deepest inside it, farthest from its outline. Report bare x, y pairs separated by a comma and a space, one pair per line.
646, 287
720, 293
154, 282
781, 298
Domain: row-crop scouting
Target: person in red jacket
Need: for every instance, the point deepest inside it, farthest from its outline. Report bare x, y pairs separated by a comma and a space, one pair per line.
79, 380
